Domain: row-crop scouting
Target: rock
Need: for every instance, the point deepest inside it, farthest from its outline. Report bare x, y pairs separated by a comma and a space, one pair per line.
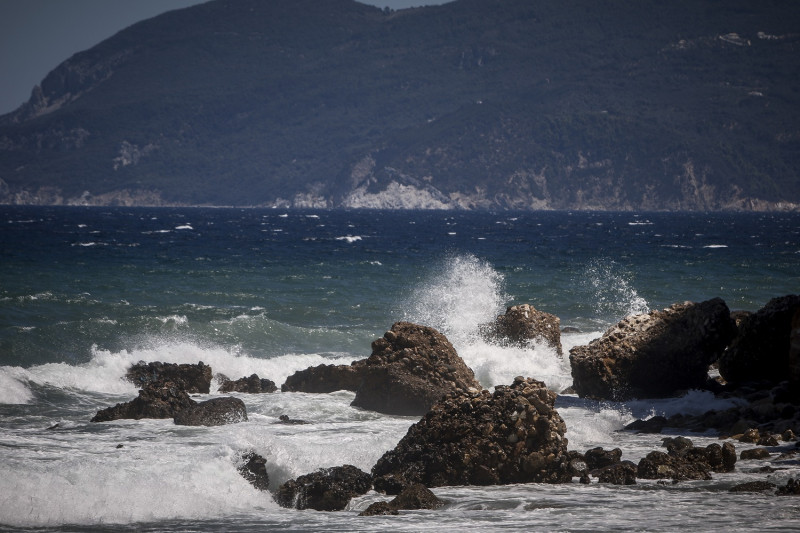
252, 385
155, 400
214, 412
284, 419
659, 465
522, 324
513, 435
792, 488
794, 349
622, 473
194, 379
415, 496
752, 435
754, 486
254, 470
762, 350
651, 425
329, 489
653, 355
411, 367
755, 453
597, 458
379, 508
324, 379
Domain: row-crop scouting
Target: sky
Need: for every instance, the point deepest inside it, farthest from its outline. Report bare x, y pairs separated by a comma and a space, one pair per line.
37, 35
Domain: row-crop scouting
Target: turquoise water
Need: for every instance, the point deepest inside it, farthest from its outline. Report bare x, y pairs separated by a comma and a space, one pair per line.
84, 292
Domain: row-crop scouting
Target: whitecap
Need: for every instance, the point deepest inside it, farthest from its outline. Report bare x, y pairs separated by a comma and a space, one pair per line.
12, 389
185, 226
715, 246
349, 238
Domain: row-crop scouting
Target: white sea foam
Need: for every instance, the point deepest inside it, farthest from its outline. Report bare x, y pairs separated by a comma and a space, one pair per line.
613, 293
12, 389
184, 227
349, 238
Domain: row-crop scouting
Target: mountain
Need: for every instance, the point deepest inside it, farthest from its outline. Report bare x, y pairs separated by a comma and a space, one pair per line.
475, 104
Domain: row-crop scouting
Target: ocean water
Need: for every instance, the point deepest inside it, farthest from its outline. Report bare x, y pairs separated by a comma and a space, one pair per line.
85, 292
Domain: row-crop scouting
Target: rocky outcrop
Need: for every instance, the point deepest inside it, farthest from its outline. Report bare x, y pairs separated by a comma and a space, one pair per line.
655, 354
194, 379
251, 385
410, 368
329, 489
522, 324
513, 435
324, 379
683, 461
762, 350
416, 496
155, 400
254, 469
214, 412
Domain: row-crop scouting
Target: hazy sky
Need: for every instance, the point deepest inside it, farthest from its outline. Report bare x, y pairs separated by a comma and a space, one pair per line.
37, 35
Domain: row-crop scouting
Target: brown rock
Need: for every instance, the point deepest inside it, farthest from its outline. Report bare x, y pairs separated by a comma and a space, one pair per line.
194, 379
214, 412
324, 379
155, 400
653, 355
522, 324
513, 435
251, 385
328, 489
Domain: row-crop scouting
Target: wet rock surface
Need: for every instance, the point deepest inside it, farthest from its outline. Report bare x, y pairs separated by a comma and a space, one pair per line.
415, 496
155, 400
193, 378
214, 412
329, 489
513, 435
522, 324
410, 368
655, 354
251, 385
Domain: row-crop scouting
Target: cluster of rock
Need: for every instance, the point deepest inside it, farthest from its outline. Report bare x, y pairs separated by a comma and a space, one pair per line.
665, 352
682, 461
410, 368
471, 436
165, 394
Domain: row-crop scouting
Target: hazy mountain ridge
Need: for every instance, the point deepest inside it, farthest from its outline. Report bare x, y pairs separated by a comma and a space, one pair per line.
474, 104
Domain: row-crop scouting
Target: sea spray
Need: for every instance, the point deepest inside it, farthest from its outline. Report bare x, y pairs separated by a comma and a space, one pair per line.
610, 289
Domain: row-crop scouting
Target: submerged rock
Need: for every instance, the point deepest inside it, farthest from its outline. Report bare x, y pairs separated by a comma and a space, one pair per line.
522, 324
329, 489
653, 355
762, 349
214, 412
513, 435
194, 379
415, 496
252, 385
155, 400
411, 367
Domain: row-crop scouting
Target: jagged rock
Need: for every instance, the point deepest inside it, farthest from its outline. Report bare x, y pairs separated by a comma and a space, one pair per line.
659, 465
685, 461
763, 347
622, 473
415, 496
214, 412
754, 486
524, 323
155, 400
754, 453
329, 489
598, 458
324, 379
410, 368
513, 435
194, 379
655, 354
252, 385
254, 469
792, 488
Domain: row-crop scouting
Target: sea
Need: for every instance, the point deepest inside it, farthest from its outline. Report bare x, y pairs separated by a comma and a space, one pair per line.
87, 291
